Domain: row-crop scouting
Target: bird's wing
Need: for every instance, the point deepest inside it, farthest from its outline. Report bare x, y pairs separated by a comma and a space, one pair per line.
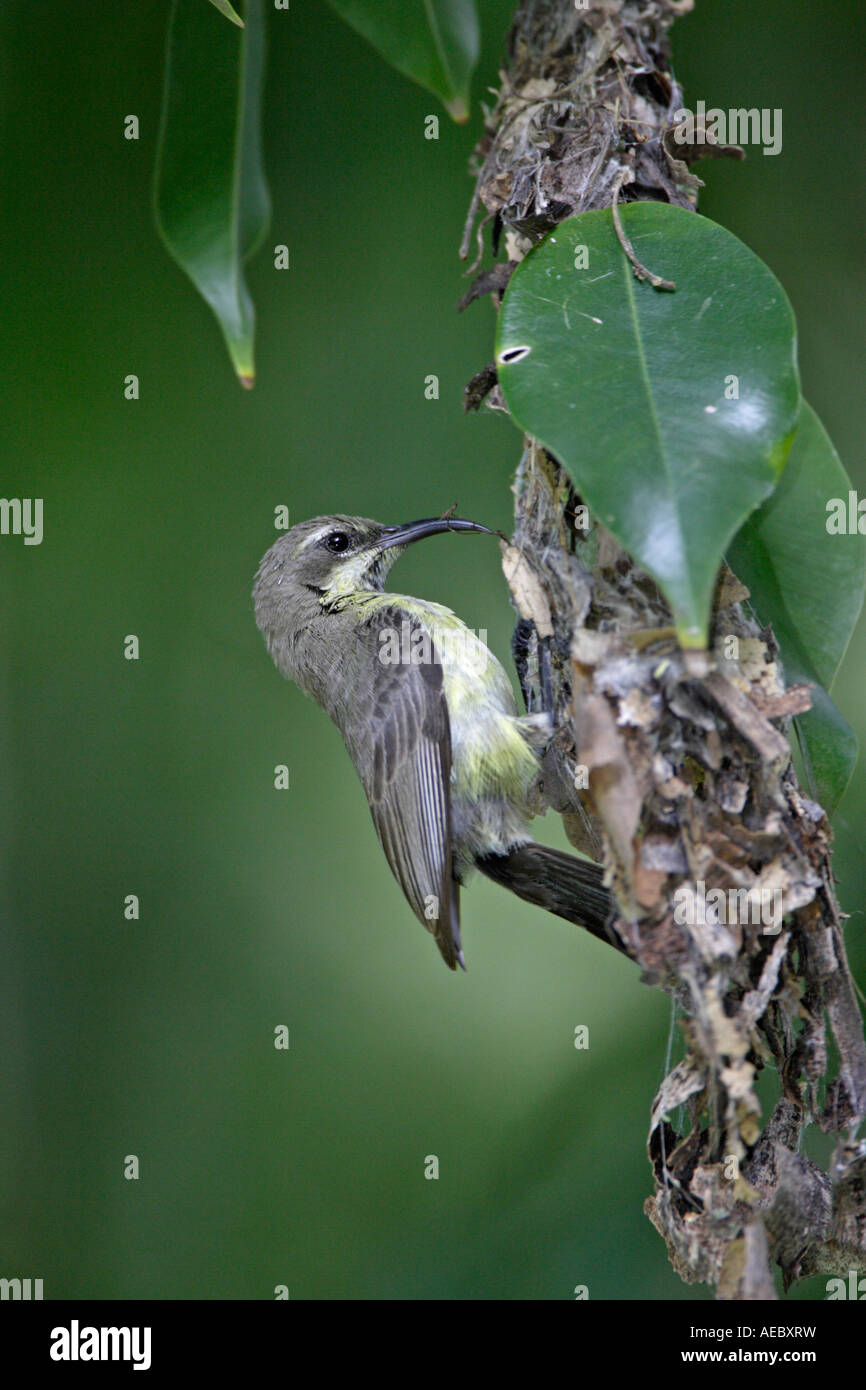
407, 777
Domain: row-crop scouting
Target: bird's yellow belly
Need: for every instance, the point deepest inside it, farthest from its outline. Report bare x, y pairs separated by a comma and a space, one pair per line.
489, 753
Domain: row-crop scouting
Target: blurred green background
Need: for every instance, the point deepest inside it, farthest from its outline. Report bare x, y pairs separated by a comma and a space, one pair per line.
259, 908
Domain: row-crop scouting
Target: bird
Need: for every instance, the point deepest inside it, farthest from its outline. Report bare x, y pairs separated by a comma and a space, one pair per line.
428, 716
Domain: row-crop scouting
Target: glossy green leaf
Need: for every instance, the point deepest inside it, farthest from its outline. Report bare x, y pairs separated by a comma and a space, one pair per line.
435, 42
808, 582
228, 10
211, 198
632, 388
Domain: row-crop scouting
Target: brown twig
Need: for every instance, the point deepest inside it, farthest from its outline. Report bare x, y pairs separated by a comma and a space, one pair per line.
641, 273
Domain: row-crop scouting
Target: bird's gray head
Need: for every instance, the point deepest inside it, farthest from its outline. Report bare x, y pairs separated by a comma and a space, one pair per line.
320, 562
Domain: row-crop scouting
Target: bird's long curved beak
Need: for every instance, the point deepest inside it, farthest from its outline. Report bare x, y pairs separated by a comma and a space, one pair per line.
432, 526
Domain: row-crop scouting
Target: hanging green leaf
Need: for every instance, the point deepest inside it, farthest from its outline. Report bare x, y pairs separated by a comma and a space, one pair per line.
435, 42
673, 412
804, 561
230, 13
829, 748
212, 203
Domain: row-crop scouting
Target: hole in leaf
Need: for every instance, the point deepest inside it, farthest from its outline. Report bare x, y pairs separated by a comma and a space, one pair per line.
512, 355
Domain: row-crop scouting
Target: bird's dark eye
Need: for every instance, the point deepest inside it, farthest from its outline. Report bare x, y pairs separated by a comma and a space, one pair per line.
337, 542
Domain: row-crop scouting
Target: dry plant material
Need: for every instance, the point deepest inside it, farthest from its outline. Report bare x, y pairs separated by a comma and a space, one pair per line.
675, 770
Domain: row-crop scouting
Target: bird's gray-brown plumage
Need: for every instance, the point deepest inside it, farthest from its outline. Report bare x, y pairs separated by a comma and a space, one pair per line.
428, 718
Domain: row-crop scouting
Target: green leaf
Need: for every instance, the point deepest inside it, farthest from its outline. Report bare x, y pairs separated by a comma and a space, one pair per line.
211, 198
225, 8
829, 749
435, 42
628, 386
809, 584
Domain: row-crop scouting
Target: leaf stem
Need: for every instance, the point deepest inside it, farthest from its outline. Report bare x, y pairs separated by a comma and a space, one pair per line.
625, 175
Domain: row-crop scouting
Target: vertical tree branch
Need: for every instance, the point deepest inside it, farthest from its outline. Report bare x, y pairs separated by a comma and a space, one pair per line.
688, 778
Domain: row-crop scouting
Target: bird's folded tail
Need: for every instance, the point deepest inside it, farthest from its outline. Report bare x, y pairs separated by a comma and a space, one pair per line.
566, 886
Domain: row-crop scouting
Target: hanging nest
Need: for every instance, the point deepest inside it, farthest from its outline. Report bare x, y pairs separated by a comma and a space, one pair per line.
674, 769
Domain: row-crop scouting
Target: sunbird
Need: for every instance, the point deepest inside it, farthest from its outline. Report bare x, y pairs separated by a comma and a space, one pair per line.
429, 719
